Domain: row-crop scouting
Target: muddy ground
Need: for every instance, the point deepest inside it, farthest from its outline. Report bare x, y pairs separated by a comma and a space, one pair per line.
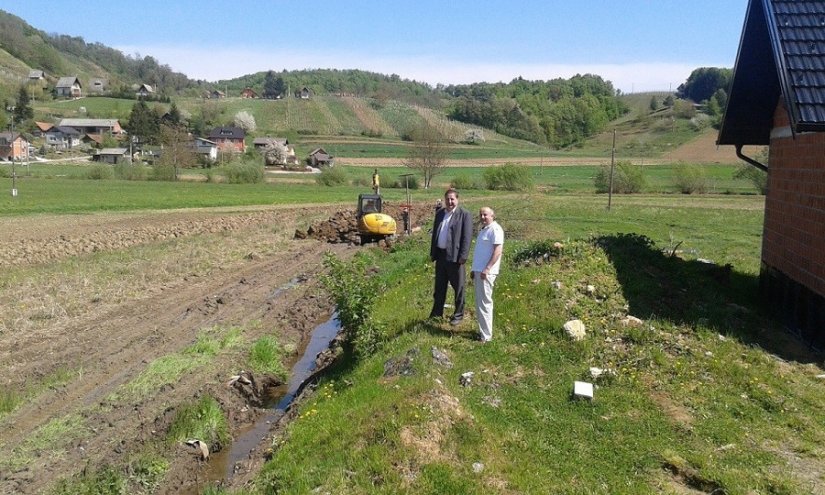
89, 301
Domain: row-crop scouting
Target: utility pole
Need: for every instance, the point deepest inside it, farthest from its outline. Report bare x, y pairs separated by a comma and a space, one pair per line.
13, 172
612, 167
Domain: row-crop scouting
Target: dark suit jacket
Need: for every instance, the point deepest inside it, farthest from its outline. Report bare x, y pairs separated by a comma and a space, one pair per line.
459, 238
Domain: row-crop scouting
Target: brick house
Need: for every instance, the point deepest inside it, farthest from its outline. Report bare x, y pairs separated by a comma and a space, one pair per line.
13, 146
228, 139
777, 98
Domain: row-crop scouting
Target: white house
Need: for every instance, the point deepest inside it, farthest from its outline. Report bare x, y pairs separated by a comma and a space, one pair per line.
63, 138
68, 87
206, 148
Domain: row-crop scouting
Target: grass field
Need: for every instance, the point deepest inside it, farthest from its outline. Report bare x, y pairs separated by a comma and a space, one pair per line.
706, 395
62, 188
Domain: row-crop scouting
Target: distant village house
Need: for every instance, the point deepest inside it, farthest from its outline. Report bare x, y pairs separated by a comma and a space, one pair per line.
13, 146
145, 91
62, 138
229, 139
112, 155
68, 87
206, 149
98, 85
249, 93
320, 158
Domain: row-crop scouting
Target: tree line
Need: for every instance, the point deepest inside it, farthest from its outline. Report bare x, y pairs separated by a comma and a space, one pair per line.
559, 112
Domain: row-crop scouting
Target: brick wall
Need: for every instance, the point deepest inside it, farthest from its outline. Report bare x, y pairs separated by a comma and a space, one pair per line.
794, 234
793, 241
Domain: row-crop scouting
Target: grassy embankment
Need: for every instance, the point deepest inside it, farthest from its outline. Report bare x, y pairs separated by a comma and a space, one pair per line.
707, 394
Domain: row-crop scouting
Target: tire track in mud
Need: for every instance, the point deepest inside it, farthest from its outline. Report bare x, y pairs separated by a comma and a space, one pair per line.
115, 346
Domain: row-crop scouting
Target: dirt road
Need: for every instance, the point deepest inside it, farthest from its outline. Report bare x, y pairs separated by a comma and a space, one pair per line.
91, 302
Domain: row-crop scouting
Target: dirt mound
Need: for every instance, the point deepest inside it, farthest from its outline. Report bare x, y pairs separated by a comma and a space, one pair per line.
342, 226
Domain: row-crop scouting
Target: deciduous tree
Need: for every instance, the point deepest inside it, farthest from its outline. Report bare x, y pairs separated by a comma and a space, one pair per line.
428, 153
245, 121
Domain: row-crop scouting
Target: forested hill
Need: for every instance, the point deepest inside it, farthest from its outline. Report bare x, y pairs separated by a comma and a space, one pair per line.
559, 112
22, 48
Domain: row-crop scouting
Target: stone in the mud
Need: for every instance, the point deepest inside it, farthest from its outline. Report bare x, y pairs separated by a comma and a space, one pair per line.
575, 329
400, 366
466, 378
440, 358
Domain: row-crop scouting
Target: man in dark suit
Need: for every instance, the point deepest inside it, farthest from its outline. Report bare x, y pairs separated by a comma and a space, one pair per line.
450, 248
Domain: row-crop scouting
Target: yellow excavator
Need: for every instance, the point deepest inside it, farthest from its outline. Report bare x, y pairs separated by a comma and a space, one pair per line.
373, 225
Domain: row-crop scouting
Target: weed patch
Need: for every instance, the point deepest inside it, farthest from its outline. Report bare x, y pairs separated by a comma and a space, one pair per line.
204, 421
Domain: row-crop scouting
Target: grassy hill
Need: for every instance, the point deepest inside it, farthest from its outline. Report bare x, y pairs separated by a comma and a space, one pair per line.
361, 128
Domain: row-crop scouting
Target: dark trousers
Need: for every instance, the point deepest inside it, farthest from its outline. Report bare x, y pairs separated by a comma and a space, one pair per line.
454, 274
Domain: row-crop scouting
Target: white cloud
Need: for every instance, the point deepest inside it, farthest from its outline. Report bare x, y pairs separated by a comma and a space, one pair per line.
213, 64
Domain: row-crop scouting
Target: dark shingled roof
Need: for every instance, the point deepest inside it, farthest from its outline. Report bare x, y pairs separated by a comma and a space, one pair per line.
781, 55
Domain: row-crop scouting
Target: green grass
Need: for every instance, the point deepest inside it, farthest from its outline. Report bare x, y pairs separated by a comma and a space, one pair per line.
44, 193
203, 421
49, 441
167, 370
698, 399
10, 399
266, 356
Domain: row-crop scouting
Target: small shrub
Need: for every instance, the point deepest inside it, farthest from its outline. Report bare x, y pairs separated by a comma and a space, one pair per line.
409, 181
508, 177
464, 182
354, 290
163, 172
244, 173
130, 171
331, 177
627, 178
376, 133
100, 171
757, 177
690, 179
362, 181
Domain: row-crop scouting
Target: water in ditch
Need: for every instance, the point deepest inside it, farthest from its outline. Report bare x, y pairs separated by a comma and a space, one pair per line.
222, 464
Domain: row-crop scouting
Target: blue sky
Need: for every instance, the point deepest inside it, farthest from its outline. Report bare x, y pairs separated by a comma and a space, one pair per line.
639, 45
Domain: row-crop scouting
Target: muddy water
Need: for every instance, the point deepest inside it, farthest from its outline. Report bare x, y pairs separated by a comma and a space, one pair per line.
222, 464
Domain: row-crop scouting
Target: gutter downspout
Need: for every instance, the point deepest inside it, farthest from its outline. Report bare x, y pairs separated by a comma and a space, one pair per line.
750, 160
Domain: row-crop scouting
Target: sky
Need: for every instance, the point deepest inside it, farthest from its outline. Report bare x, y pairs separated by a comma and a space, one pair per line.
638, 45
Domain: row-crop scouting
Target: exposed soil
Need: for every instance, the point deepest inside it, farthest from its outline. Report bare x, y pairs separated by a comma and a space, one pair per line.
196, 269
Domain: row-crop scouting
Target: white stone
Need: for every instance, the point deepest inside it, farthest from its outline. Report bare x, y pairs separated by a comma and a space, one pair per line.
478, 467
583, 390
590, 289
575, 329
631, 321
